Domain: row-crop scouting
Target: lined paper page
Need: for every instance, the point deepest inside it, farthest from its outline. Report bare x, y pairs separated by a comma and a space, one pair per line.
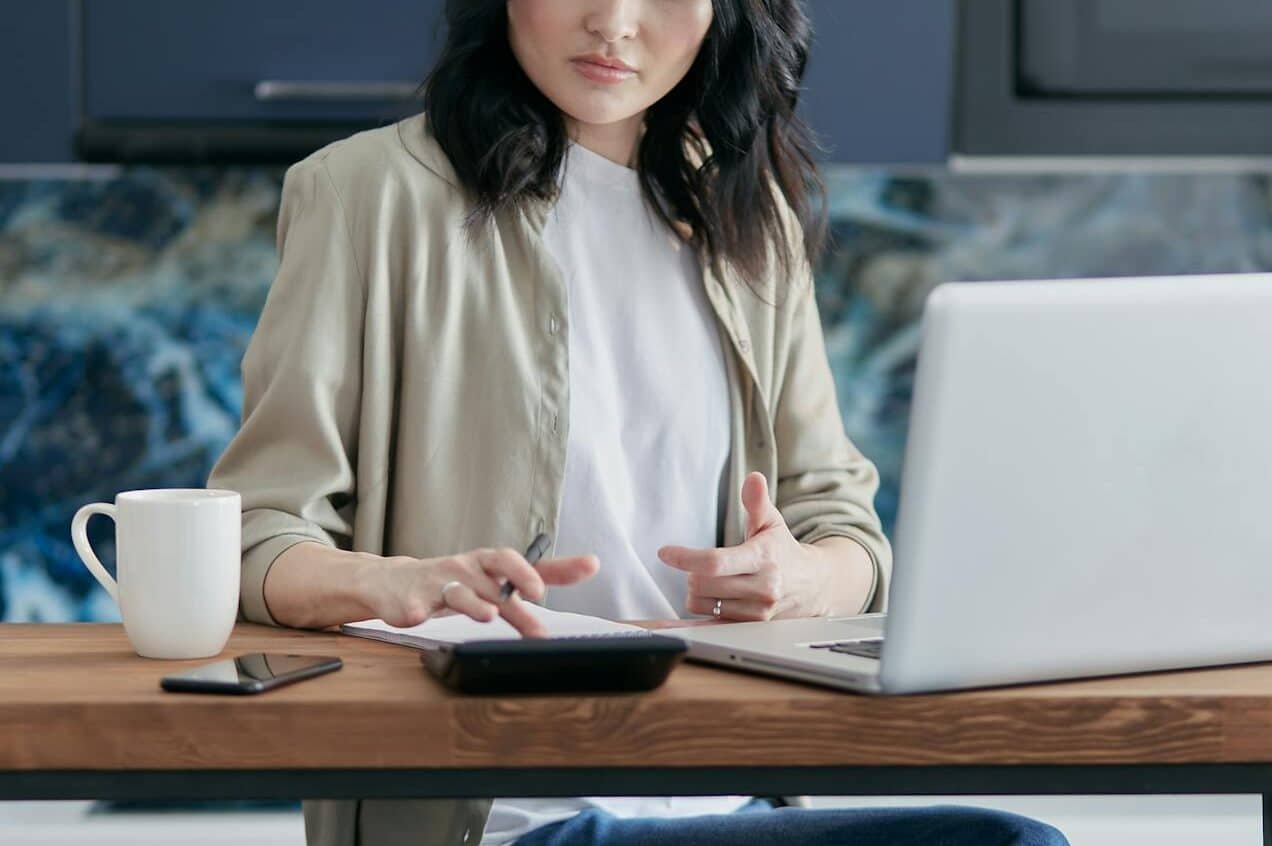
459, 628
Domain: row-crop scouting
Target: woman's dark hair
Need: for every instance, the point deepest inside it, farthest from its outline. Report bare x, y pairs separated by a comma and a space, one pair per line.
507, 140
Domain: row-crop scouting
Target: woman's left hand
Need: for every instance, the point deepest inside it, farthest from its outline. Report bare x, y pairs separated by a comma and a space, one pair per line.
767, 576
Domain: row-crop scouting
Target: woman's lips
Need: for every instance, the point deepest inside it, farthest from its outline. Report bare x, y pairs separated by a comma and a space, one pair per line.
601, 73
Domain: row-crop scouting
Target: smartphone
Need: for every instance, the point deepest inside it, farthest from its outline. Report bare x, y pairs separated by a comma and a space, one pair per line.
251, 673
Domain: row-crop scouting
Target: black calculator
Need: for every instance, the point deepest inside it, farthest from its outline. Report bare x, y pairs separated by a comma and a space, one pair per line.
615, 661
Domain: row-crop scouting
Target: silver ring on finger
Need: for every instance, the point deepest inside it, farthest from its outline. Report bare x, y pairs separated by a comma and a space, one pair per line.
448, 586
715, 609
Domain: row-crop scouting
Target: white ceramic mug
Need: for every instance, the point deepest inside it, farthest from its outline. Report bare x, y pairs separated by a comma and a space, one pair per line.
177, 563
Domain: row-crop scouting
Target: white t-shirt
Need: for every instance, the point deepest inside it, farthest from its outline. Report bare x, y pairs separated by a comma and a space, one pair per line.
648, 440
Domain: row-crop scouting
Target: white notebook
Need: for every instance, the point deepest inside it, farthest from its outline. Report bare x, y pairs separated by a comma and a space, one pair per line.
460, 628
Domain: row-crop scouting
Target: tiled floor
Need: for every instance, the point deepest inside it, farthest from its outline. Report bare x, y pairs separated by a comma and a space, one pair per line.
1120, 820
1087, 820
77, 824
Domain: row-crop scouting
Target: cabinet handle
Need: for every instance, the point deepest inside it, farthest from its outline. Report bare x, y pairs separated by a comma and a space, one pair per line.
284, 91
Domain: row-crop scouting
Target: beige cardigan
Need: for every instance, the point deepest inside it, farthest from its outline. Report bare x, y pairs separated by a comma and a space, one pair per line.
404, 393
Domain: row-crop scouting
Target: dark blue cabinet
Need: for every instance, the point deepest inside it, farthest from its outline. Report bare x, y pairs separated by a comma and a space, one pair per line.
246, 80
878, 84
266, 80
35, 81
236, 60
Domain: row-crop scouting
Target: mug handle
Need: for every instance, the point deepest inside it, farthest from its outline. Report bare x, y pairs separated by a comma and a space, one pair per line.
79, 536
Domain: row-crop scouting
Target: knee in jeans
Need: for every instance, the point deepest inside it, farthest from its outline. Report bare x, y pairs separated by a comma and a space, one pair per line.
1042, 834
1001, 828
1023, 831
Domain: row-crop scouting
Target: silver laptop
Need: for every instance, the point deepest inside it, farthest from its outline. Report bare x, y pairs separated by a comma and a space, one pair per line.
1087, 490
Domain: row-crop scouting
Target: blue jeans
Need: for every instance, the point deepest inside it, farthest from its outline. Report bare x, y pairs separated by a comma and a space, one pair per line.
760, 824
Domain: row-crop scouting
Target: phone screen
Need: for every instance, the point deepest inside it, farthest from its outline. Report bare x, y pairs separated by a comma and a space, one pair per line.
250, 673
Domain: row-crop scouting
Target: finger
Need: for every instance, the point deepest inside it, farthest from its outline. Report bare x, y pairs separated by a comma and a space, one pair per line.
724, 561
761, 513
737, 610
754, 586
512, 566
516, 611
568, 570
485, 594
460, 597
472, 574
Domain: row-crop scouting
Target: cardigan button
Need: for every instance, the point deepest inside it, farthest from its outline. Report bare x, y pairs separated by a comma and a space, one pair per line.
552, 324
744, 345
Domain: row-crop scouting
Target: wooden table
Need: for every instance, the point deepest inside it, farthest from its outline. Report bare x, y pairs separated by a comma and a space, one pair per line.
81, 716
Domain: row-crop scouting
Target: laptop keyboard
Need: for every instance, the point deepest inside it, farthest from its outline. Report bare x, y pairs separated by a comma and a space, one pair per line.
868, 648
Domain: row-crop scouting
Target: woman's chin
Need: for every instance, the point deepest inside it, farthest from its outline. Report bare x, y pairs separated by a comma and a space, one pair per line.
600, 109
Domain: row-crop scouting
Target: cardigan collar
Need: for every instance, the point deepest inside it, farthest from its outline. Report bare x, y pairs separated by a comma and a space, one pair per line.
417, 137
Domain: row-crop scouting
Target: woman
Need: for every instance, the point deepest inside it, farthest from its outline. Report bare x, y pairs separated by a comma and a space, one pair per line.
572, 296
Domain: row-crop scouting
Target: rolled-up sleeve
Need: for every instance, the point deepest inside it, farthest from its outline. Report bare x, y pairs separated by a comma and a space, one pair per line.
825, 486
292, 460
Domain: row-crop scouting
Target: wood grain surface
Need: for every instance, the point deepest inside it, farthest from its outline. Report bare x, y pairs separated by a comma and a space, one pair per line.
76, 696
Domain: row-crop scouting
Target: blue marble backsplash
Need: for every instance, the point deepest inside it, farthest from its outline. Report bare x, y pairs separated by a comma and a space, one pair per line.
126, 304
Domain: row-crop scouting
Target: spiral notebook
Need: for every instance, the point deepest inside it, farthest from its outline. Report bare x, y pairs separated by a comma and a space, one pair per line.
459, 628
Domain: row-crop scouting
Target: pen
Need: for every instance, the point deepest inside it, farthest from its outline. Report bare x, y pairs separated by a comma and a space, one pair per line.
534, 552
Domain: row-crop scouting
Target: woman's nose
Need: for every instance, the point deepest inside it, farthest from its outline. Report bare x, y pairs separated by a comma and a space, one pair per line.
613, 20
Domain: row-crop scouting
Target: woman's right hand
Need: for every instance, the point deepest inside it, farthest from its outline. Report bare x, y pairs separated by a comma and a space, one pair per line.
407, 591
